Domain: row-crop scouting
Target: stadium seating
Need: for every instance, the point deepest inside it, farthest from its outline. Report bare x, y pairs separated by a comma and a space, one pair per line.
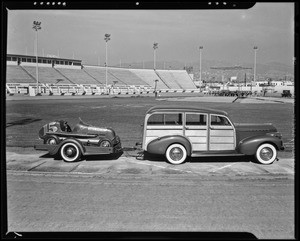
78, 76
168, 78
47, 75
126, 76
149, 76
124, 80
99, 74
16, 74
183, 79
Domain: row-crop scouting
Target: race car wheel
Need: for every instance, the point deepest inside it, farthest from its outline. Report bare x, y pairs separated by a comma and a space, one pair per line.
266, 154
70, 152
176, 154
52, 140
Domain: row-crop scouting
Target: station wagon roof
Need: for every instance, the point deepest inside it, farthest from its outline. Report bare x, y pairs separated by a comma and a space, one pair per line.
173, 108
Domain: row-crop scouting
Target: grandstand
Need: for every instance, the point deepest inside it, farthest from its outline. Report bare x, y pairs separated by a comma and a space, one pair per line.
46, 75
149, 76
183, 79
63, 75
127, 76
77, 76
99, 73
16, 74
167, 77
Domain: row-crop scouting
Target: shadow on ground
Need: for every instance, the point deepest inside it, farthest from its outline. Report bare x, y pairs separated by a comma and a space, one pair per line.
212, 159
116, 156
21, 122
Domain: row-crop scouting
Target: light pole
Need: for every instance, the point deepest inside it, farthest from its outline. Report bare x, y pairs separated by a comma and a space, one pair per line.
37, 26
107, 38
155, 46
254, 74
200, 63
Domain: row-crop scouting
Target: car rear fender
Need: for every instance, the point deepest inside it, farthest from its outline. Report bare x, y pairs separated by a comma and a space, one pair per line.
248, 146
56, 149
160, 145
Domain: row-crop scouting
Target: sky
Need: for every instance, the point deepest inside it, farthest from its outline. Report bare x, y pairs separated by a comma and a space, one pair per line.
226, 35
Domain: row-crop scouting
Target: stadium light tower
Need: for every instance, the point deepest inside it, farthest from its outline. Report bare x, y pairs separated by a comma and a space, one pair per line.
200, 62
107, 38
155, 46
37, 26
254, 71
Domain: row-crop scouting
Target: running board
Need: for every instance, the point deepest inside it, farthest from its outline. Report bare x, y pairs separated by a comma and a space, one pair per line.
201, 154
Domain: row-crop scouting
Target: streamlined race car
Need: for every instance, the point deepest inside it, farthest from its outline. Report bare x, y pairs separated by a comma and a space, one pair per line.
84, 139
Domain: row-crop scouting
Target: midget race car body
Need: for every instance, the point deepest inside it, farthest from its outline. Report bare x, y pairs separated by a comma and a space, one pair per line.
84, 139
181, 132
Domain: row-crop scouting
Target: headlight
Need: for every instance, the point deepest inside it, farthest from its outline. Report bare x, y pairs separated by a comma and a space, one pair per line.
105, 143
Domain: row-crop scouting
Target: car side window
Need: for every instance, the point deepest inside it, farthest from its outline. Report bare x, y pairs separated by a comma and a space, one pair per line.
216, 120
165, 119
196, 120
156, 119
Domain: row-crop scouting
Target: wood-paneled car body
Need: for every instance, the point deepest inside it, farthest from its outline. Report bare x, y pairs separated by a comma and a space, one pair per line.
182, 132
84, 139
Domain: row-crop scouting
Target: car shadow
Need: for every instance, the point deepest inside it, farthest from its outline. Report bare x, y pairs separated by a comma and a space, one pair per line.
211, 159
105, 157
102, 157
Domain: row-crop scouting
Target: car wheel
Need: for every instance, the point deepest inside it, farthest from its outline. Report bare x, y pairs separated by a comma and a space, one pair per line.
52, 140
70, 152
266, 154
176, 154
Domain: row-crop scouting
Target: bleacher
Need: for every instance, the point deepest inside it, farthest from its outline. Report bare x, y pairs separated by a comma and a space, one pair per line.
16, 74
99, 74
149, 76
183, 79
47, 75
168, 78
126, 76
78, 76
71, 77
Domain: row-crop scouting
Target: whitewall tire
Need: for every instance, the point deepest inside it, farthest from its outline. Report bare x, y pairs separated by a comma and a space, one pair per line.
266, 154
176, 154
70, 152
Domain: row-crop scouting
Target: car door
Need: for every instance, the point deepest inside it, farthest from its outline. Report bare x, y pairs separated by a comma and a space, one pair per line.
196, 130
221, 133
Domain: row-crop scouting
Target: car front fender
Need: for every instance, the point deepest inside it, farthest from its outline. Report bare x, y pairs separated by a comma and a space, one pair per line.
248, 146
160, 145
55, 149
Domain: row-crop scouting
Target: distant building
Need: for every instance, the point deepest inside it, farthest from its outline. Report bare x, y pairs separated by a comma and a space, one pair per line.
16, 59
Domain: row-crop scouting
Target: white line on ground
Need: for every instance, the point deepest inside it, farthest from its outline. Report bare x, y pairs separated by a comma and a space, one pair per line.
217, 169
149, 164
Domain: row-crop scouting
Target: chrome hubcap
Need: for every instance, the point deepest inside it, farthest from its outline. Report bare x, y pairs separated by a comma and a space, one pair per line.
176, 154
266, 154
52, 142
70, 151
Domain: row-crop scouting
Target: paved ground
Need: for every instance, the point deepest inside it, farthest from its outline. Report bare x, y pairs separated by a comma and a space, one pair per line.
130, 163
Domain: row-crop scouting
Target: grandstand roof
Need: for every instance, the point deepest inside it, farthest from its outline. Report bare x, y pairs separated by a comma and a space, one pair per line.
42, 57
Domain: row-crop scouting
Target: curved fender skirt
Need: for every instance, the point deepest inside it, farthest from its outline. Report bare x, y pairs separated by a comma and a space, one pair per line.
160, 145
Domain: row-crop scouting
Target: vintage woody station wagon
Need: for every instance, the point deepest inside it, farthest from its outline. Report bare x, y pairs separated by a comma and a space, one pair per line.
181, 132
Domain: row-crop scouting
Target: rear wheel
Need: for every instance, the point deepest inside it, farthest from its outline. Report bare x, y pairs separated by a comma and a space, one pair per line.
52, 140
176, 154
70, 152
266, 154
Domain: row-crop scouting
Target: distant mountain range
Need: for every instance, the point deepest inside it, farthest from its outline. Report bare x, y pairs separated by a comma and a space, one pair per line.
269, 69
